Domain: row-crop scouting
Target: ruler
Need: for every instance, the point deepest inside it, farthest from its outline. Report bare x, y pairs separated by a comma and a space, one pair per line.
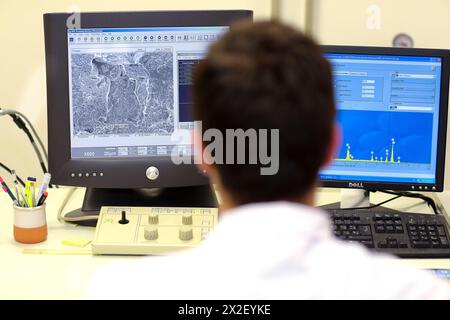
63, 252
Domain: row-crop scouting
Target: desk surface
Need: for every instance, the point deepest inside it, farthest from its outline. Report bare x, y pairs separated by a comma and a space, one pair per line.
64, 276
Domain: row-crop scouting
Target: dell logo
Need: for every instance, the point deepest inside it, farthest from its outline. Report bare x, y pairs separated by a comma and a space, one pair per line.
355, 185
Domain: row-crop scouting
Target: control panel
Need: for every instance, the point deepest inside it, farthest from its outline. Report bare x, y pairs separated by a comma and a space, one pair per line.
151, 231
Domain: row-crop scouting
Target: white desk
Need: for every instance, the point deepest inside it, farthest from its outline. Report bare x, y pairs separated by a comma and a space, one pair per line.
64, 276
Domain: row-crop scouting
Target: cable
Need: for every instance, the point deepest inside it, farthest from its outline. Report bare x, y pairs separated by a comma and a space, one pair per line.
64, 203
370, 207
61, 218
10, 172
17, 118
431, 203
21, 125
13, 112
397, 195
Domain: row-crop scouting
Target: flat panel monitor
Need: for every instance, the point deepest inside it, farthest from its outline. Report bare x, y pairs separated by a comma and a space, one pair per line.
392, 109
118, 92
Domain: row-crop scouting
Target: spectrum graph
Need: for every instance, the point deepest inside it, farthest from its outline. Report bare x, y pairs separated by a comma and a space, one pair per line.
389, 156
385, 137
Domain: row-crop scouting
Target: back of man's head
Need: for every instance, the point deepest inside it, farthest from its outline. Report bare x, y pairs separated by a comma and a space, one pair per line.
268, 76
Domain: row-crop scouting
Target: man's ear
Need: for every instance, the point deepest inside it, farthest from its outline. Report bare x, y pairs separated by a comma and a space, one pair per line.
197, 140
334, 145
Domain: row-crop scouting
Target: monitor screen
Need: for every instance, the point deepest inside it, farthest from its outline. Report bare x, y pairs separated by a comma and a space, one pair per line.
129, 89
388, 110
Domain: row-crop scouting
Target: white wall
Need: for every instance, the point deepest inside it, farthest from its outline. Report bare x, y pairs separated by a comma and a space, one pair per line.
355, 21
22, 63
375, 23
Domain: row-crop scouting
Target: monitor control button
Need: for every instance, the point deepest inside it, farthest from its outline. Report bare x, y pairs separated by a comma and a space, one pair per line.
152, 173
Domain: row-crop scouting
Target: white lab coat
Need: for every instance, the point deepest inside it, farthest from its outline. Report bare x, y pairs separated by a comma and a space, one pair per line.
276, 250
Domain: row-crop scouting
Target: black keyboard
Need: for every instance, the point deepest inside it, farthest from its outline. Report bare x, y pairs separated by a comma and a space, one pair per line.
407, 235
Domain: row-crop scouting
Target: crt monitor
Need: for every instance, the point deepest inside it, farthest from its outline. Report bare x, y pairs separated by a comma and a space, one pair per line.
392, 109
118, 90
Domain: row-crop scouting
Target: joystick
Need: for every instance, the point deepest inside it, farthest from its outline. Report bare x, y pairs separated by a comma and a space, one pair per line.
124, 218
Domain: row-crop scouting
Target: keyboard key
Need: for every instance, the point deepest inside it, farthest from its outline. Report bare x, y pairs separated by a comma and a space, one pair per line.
359, 238
441, 230
402, 245
420, 244
392, 243
365, 230
382, 244
399, 229
436, 244
380, 229
368, 244
390, 229
377, 217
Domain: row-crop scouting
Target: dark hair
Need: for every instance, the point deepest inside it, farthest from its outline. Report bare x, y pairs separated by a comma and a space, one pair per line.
268, 76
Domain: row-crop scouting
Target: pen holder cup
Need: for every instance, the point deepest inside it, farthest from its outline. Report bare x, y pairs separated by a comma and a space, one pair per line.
30, 224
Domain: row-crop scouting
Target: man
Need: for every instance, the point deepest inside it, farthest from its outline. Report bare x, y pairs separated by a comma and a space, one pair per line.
270, 242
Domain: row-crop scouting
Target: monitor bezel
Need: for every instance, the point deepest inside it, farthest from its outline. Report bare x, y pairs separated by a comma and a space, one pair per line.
126, 172
438, 186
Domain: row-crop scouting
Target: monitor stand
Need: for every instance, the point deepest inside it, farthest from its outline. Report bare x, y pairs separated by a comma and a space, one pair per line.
355, 198
94, 199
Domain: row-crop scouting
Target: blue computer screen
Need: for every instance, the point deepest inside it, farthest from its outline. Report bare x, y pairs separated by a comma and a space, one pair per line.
388, 111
